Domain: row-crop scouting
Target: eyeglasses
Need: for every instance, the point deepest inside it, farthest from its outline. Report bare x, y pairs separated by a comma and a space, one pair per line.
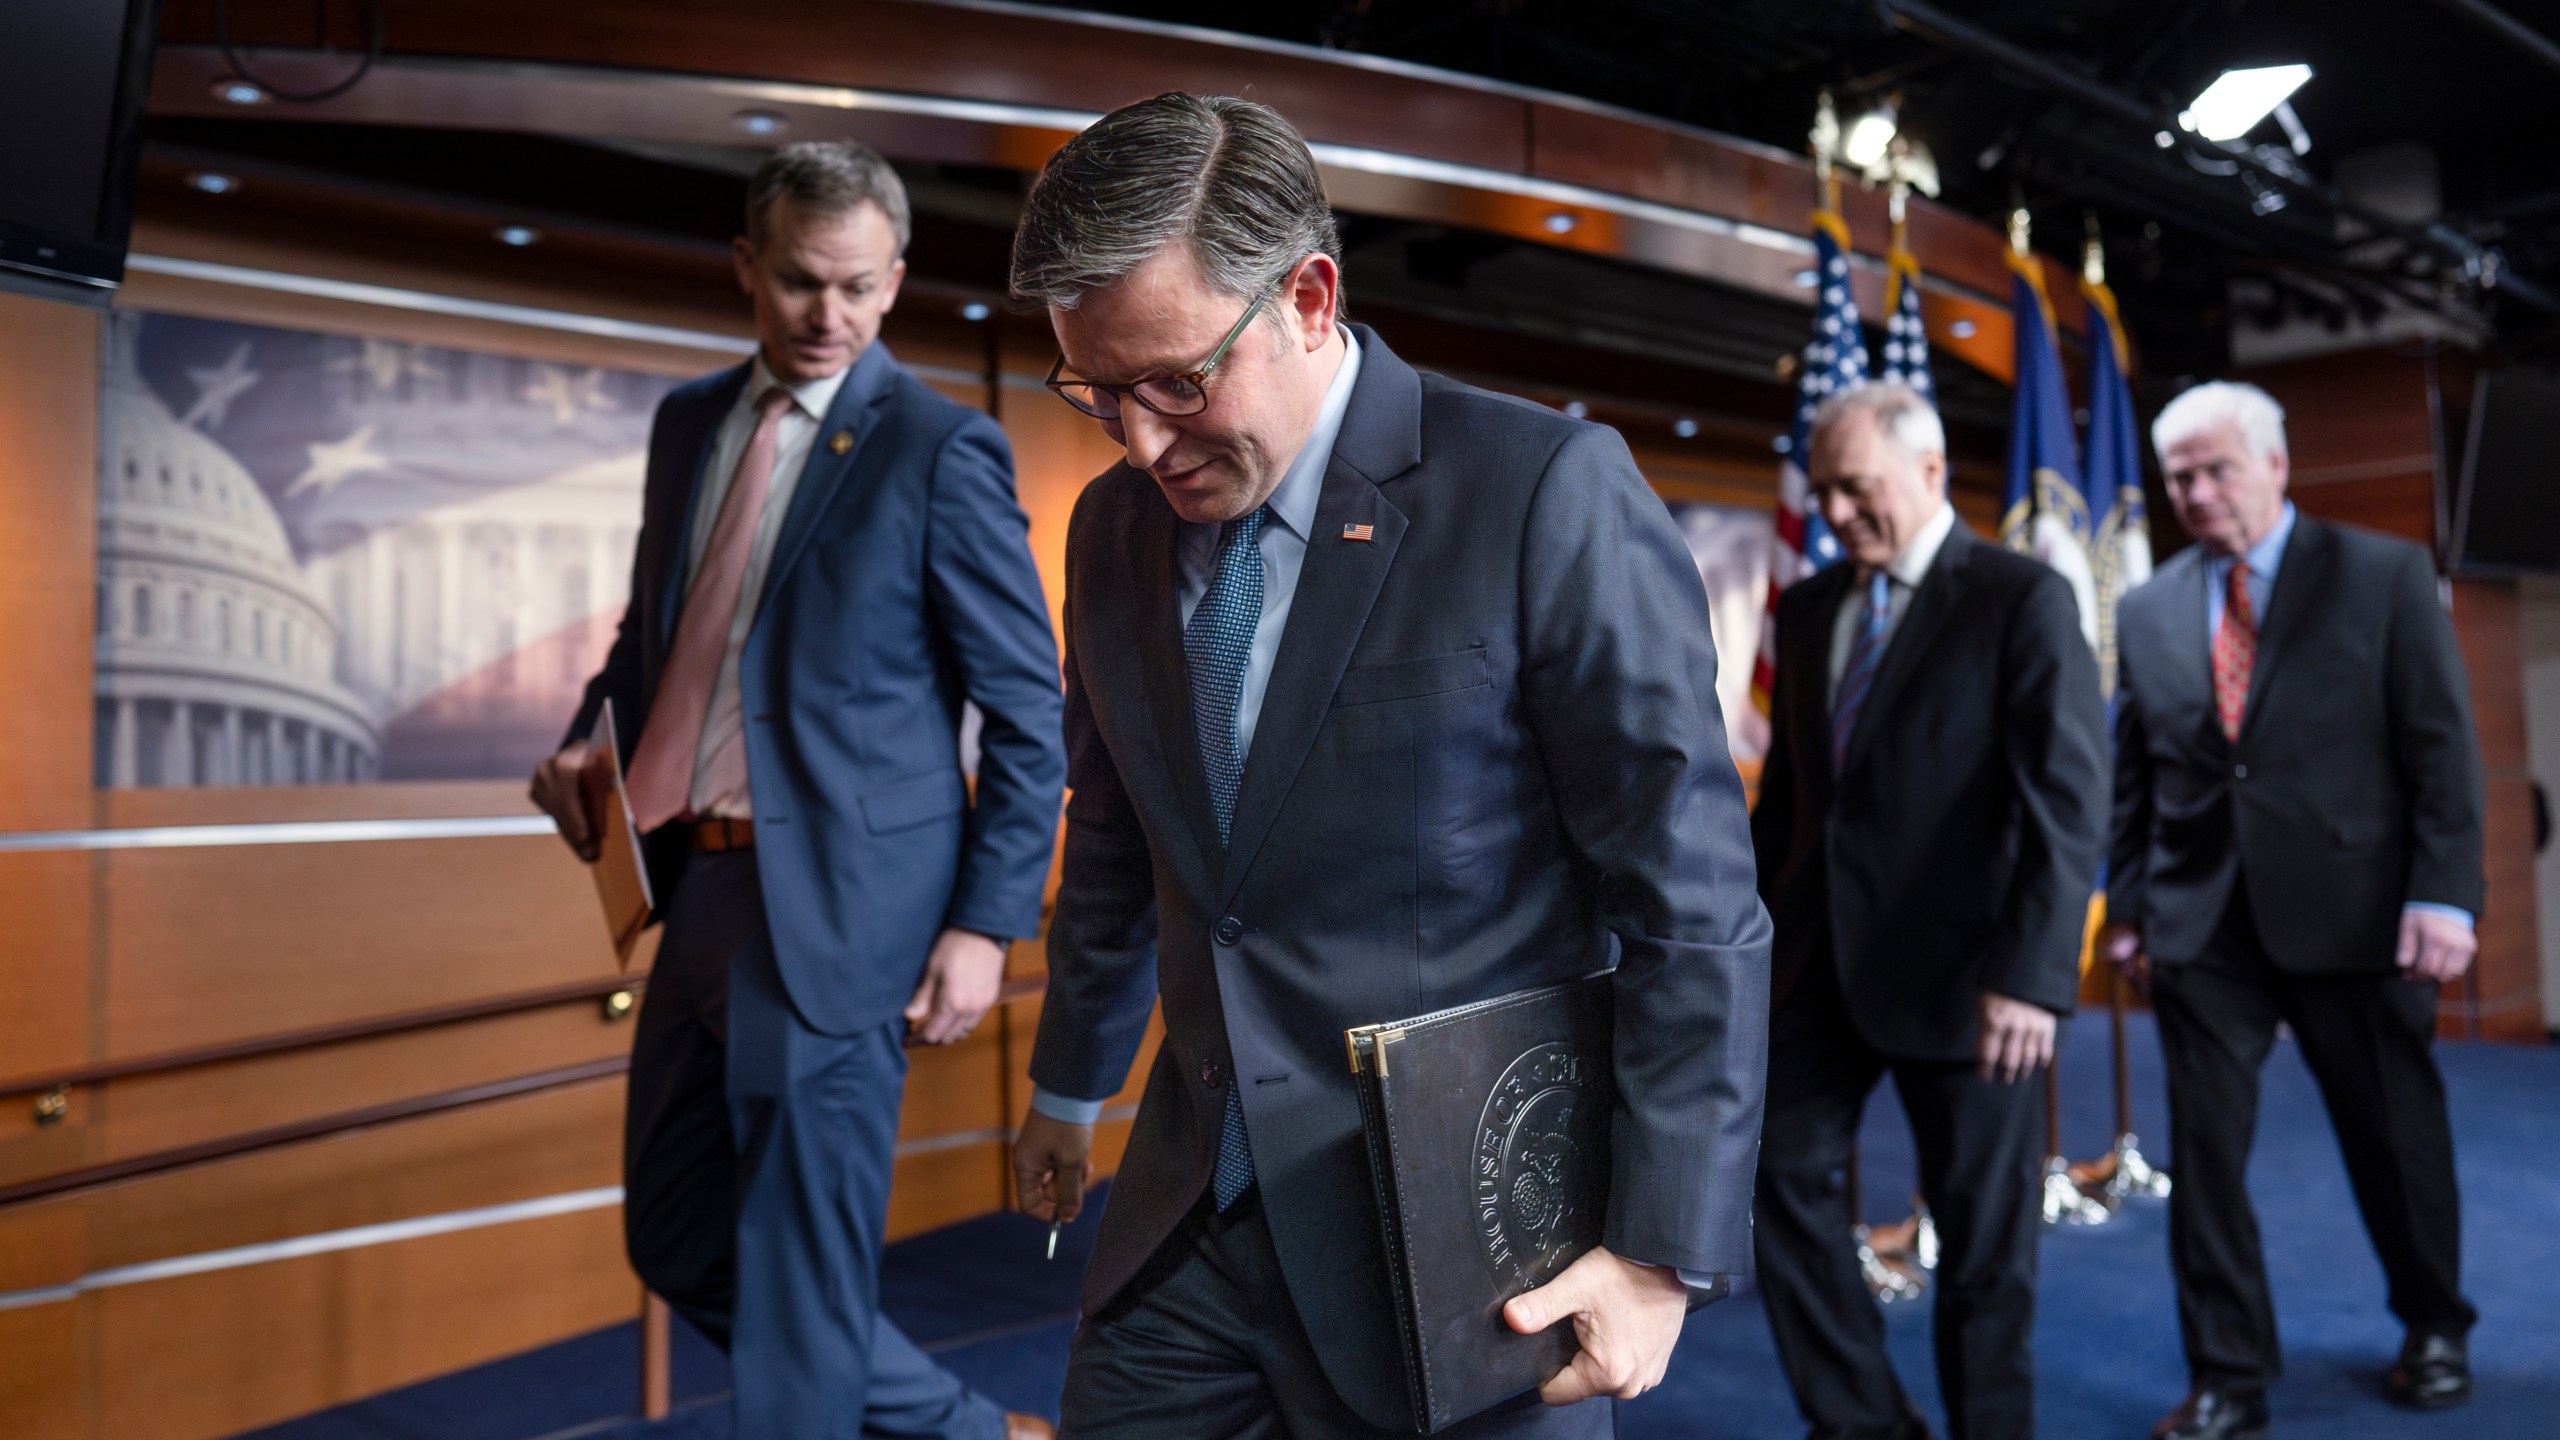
1186, 394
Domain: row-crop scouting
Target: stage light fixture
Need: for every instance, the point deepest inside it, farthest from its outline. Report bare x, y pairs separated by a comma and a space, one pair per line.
761, 122
2164, 139
232, 90
1868, 136
2237, 100
517, 235
212, 182
1685, 428
1561, 222
975, 310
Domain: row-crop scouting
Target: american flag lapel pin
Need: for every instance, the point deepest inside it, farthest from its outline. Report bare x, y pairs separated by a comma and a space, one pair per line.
841, 441
1360, 532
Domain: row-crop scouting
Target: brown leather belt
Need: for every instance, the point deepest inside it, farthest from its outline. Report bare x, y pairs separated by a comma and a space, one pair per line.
714, 836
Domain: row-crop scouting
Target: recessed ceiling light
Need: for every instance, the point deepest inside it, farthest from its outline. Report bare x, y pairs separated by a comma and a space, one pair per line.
1561, 222
1685, 428
2164, 139
975, 310
232, 90
1576, 409
517, 235
212, 182
761, 122
2237, 100
1963, 329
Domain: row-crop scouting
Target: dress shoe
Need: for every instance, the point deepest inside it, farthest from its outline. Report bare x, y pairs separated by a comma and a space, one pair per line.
2215, 1415
2434, 1373
1018, 1426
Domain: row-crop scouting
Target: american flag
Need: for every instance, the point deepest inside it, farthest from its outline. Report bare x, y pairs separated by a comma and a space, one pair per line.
1906, 339
1834, 359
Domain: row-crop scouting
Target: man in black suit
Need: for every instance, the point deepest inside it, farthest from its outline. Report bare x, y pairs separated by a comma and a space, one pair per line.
2297, 838
1384, 694
1929, 825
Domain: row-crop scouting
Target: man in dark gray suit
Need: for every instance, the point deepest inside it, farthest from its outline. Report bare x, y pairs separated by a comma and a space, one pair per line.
1929, 824
1383, 694
2297, 839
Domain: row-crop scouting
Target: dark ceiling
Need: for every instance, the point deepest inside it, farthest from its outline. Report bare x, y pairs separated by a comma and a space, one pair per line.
2068, 125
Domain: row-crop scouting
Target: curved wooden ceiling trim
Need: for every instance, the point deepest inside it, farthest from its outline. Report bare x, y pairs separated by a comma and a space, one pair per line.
1004, 85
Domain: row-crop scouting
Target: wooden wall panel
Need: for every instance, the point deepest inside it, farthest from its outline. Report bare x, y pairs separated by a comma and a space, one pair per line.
211, 1355
48, 1388
156, 1112
213, 944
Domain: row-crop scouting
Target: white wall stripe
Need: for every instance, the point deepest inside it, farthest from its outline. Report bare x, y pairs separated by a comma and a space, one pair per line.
324, 1243
289, 832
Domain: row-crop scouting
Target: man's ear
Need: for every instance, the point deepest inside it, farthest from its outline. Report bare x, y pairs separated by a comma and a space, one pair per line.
1315, 299
742, 258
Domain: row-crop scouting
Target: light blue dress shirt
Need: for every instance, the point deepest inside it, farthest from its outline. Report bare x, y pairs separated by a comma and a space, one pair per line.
2264, 558
1284, 553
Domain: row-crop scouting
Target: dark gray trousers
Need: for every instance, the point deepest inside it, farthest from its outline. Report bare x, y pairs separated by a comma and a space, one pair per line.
1205, 1344
756, 1160
1978, 1142
2368, 1040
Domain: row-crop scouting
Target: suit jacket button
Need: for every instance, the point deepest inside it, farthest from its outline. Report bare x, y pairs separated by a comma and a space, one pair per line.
1229, 931
2239, 772
1210, 1074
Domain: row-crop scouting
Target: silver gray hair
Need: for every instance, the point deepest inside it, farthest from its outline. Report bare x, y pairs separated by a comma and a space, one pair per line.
2222, 402
1228, 179
1903, 413
828, 177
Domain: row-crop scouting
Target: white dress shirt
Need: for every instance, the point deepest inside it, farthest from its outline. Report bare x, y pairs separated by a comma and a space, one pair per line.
1284, 553
1906, 570
2265, 556
725, 725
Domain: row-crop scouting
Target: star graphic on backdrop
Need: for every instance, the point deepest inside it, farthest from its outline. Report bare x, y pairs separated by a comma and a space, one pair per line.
333, 462
216, 387
567, 392
385, 362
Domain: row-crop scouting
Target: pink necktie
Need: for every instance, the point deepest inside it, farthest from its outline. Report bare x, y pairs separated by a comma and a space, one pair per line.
661, 778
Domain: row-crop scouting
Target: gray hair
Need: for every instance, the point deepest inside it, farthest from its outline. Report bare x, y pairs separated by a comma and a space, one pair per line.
2222, 402
1901, 412
1227, 178
828, 177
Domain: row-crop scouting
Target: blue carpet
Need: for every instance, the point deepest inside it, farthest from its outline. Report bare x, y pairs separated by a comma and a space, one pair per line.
978, 1295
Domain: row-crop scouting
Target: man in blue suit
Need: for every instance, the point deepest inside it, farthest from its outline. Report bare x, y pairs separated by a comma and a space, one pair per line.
830, 563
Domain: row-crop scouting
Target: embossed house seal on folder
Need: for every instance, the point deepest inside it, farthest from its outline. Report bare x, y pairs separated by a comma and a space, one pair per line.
1539, 1164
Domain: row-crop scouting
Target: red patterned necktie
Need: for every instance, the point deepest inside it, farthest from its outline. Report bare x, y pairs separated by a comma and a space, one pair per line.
661, 777
2235, 650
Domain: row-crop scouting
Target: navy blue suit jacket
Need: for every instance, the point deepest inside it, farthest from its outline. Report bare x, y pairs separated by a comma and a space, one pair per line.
1490, 758
901, 585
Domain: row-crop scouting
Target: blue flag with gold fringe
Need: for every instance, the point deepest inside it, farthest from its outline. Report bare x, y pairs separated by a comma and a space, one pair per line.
2044, 510
2120, 525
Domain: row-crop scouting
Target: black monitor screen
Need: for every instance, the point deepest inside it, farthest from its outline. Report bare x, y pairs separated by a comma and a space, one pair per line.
2509, 516
72, 80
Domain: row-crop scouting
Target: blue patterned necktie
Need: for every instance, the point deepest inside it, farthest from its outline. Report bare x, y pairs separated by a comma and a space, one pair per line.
1217, 645
1858, 678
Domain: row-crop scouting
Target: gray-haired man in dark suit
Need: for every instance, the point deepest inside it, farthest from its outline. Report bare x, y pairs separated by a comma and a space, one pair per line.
1383, 694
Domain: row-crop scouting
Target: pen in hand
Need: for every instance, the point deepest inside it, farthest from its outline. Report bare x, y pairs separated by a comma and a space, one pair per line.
1053, 1238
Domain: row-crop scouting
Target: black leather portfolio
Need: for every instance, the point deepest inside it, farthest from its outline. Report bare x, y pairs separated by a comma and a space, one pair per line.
1488, 1130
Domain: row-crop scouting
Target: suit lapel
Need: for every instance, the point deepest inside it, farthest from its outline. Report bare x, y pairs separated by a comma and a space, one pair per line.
2185, 645
2299, 578
1808, 660
1931, 604
1381, 438
1156, 618
854, 414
